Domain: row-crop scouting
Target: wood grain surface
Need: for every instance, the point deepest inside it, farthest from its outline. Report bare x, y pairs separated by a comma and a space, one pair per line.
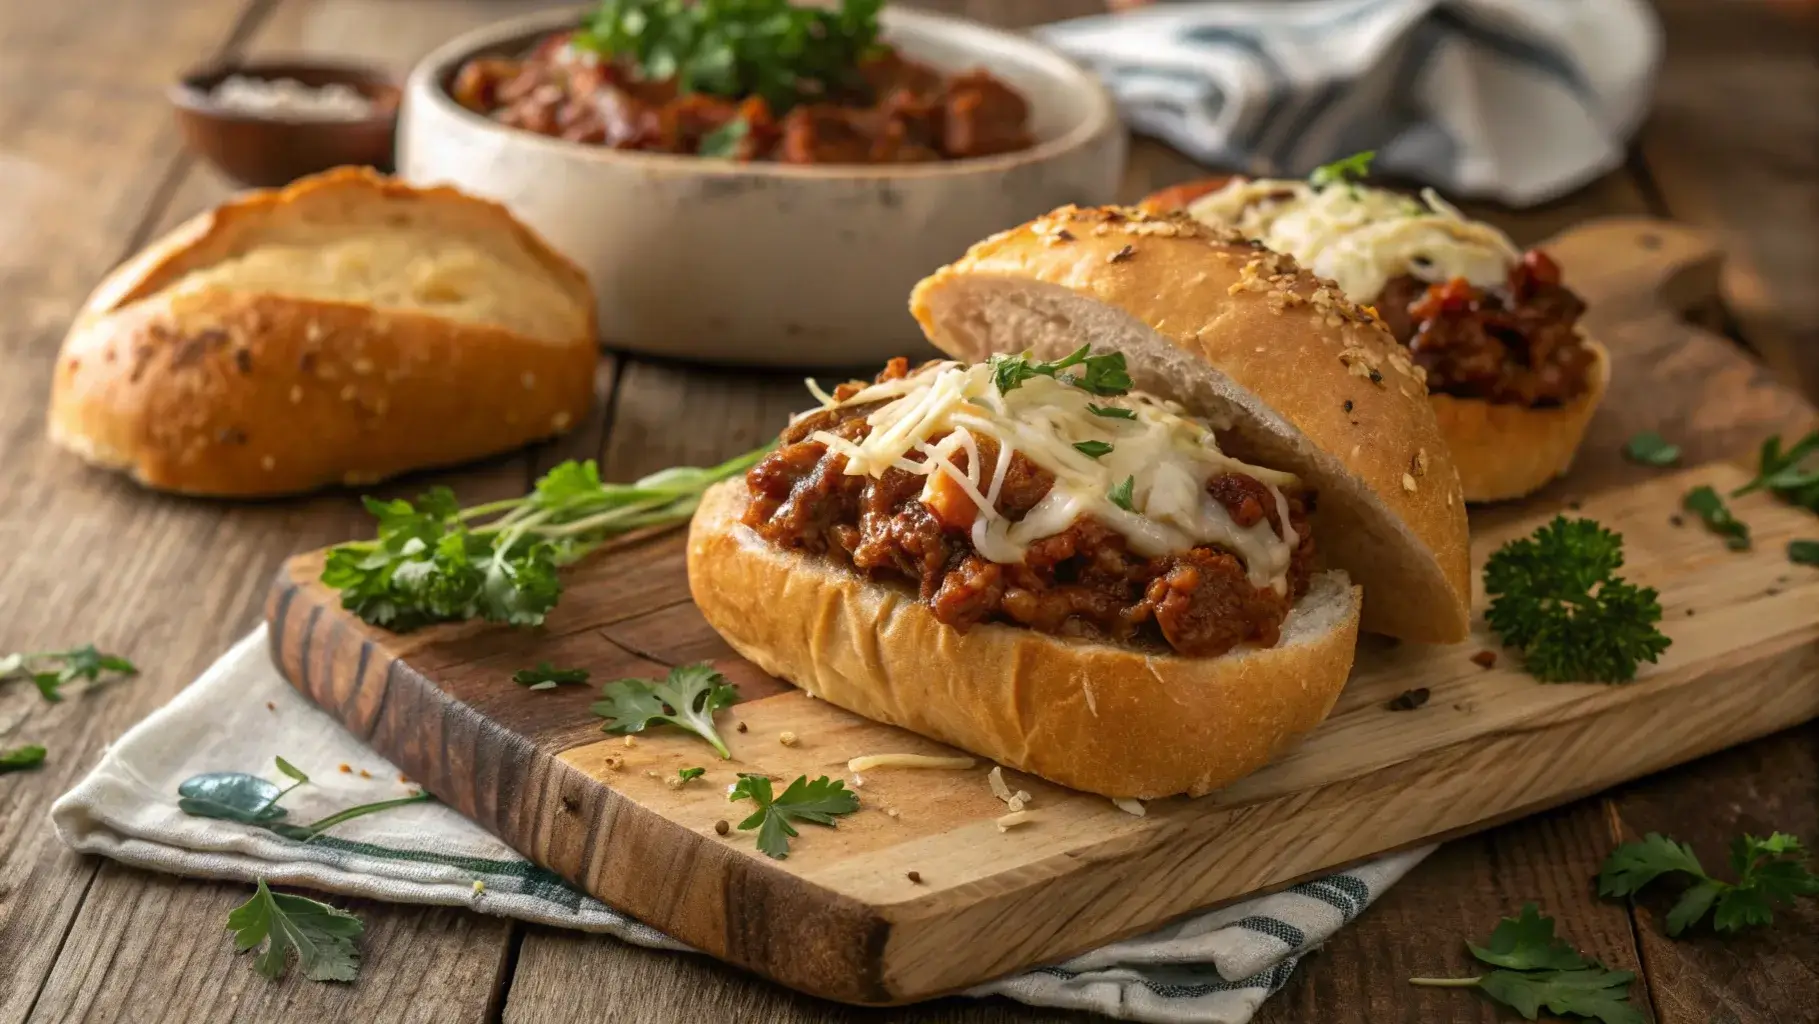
90, 168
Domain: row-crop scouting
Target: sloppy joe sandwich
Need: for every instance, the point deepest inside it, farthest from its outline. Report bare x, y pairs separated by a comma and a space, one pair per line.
338, 331
1513, 378
1104, 563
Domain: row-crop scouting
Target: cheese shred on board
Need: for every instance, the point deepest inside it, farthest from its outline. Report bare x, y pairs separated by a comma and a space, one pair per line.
1362, 237
1145, 476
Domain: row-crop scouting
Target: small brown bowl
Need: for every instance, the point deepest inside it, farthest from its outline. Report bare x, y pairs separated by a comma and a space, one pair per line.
265, 150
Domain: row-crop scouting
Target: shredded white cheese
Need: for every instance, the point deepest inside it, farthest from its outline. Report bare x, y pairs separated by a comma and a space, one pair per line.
1014, 818
1362, 237
1128, 806
996, 780
943, 411
870, 761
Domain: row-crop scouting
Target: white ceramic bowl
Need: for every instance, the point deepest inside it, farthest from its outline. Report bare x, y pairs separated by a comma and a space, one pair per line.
769, 263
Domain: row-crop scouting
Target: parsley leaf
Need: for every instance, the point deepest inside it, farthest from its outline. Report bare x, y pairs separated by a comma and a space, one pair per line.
1803, 552
434, 561
21, 759
1526, 942
1651, 449
547, 677
1111, 412
321, 936
1556, 597
49, 671
1355, 166
1783, 474
1705, 502
1121, 494
818, 802
688, 697
1092, 449
1539, 970
1103, 375
1770, 872
687, 774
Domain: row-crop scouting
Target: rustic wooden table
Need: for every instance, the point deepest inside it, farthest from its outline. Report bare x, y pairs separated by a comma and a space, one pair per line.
90, 168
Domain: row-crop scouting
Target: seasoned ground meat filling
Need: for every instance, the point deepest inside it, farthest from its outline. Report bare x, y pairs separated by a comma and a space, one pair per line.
1082, 582
1518, 343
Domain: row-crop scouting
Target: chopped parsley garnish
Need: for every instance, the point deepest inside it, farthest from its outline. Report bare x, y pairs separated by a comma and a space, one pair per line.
1556, 597
818, 802
1103, 375
321, 936
1352, 167
1784, 475
687, 697
1536, 970
1121, 494
49, 671
21, 759
686, 774
1111, 412
547, 676
1705, 502
434, 561
1092, 449
1770, 872
1651, 449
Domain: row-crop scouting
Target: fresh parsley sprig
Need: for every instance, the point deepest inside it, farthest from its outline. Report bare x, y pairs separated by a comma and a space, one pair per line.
1770, 872
1104, 374
49, 671
547, 676
1651, 449
21, 759
321, 936
818, 802
1704, 502
1536, 970
434, 561
1556, 597
687, 697
1791, 475
786, 53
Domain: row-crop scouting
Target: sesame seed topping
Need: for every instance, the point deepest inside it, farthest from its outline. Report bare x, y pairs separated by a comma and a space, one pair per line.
1408, 483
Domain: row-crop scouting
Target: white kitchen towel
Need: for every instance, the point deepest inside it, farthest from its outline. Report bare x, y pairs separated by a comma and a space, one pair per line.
1514, 100
1214, 968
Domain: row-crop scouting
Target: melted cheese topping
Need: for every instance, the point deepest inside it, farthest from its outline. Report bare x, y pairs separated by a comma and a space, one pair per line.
1167, 456
1362, 237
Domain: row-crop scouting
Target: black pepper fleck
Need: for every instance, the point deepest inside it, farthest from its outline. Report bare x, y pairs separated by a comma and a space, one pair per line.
1676, 520
570, 804
741, 726
231, 435
722, 828
1376, 378
1064, 235
1689, 613
916, 877
1348, 405
243, 360
1573, 505
1408, 700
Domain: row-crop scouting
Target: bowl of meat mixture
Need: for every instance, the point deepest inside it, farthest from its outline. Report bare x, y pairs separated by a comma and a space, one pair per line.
746, 181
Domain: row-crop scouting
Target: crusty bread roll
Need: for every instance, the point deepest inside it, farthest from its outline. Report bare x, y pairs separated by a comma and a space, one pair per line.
338, 331
1502, 450
1095, 716
1310, 382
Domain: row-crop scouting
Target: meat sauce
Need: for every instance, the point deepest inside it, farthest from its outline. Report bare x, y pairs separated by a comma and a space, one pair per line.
1083, 582
1518, 343
896, 111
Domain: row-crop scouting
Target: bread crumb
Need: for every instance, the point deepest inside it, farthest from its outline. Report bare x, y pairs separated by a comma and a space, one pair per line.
786, 738
858, 781
742, 727
345, 769
612, 763
402, 778
995, 779
630, 740
1129, 806
269, 706
296, 394
891, 812
1015, 818
721, 827
268, 463
365, 774
479, 886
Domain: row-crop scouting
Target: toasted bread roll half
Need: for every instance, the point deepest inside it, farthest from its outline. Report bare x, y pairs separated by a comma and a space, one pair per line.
1305, 379
1098, 716
338, 331
1509, 436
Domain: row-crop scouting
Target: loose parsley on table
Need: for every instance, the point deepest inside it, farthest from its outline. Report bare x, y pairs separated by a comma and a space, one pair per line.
1651, 449
1769, 872
321, 936
1803, 552
1704, 502
49, 671
1787, 474
251, 800
1104, 375
1536, 970
786, 53
687, 697
434, 561
818, 802
547, 676
1556, 597
21, 759
689, 774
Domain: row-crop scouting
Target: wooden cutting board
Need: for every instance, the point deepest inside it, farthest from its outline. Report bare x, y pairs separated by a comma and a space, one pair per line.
842, 918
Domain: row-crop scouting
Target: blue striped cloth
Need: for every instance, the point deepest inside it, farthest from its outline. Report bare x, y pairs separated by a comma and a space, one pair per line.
1212, 968
1515, 100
